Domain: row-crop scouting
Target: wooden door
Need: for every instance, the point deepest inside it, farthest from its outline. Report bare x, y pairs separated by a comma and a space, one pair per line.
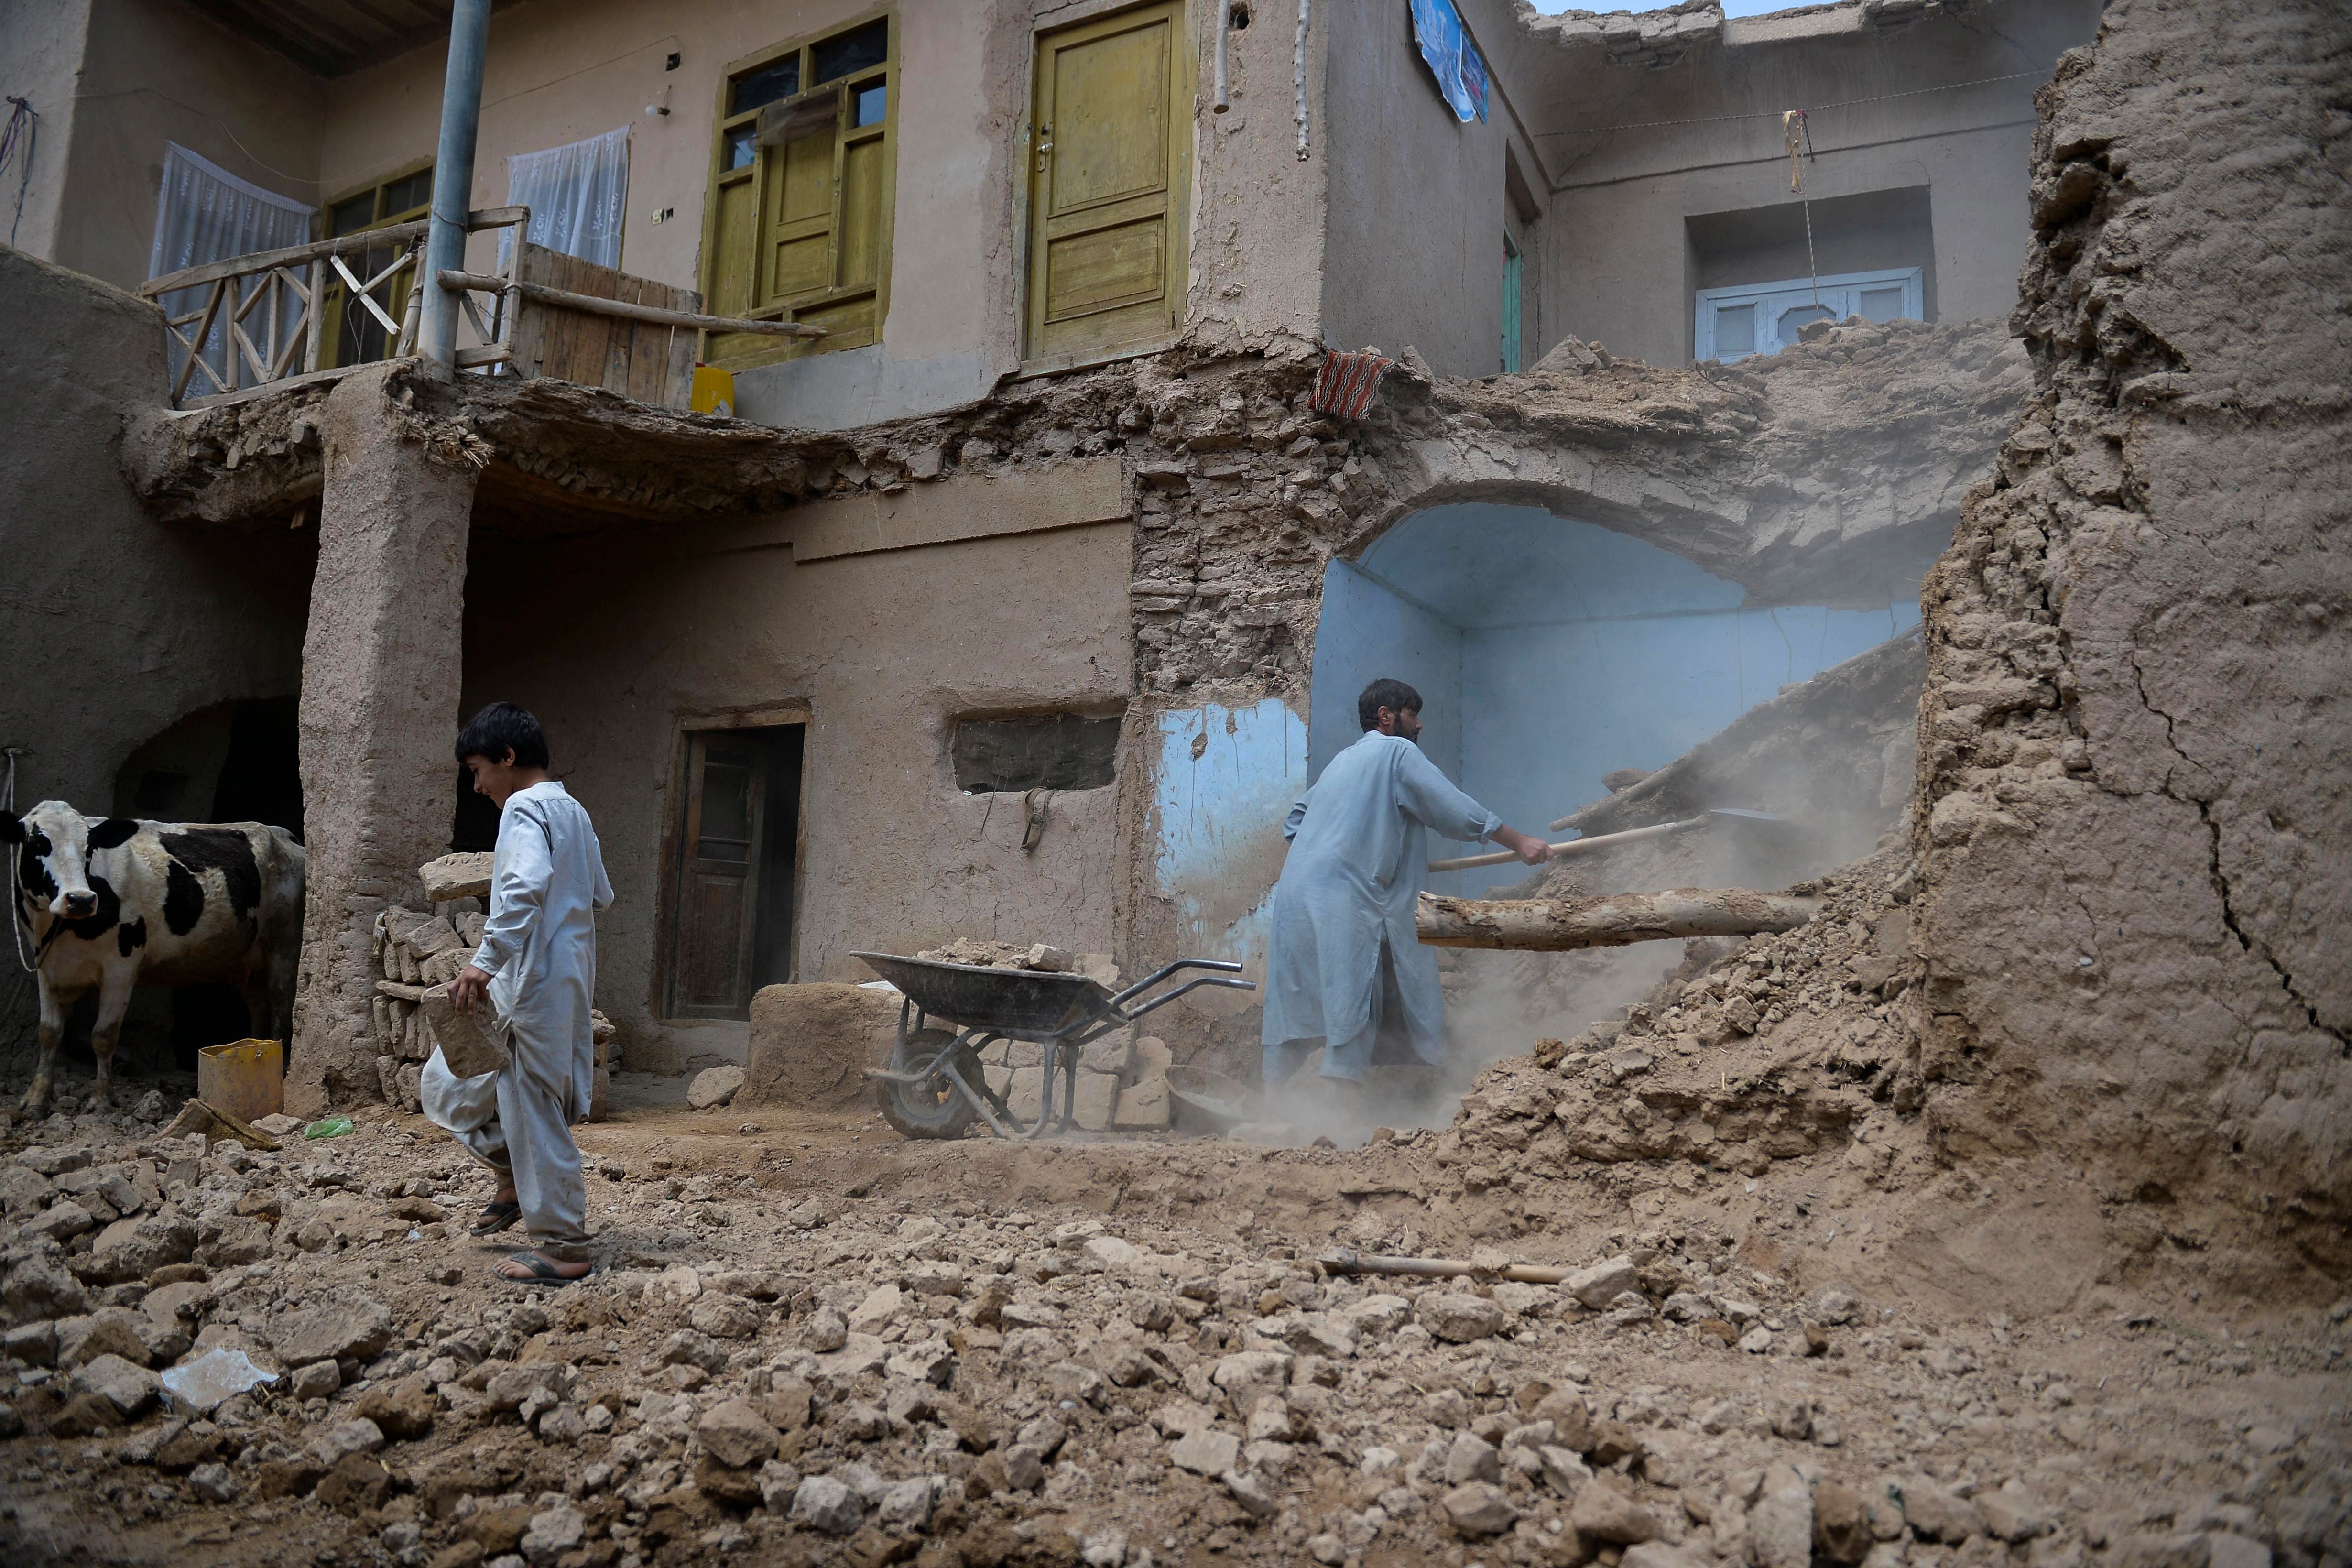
716, 913
1109, 183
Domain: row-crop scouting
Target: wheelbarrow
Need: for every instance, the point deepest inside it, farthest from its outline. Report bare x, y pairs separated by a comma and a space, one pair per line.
935, 1086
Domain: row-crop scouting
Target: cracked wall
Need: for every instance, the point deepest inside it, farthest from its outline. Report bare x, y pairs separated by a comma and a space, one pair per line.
2135, 740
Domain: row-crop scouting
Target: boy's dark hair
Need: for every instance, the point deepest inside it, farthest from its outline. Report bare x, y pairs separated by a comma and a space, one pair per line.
1385, 693
501, 728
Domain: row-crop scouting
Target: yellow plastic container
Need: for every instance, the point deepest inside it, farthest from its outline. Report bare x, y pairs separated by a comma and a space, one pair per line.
714, 391
246, 1078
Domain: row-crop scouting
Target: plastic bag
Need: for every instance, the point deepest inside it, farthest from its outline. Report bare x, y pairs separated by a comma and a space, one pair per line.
332, 1127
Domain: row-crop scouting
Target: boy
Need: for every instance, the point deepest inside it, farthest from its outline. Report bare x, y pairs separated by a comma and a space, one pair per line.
537, 966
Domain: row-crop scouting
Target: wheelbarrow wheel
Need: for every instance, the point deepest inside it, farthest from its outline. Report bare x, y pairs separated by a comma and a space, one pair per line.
925, 1110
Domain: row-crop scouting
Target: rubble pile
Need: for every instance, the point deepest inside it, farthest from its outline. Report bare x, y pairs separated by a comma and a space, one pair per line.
1763, 1048
819, 1380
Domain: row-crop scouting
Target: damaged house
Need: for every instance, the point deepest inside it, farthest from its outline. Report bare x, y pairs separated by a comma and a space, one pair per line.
1022, 563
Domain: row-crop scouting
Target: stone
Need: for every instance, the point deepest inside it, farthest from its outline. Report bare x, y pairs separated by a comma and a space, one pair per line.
61, 1221
725, 1316
35, 1343
1143, 1107
112, 1331
1459, 1317
933, 1361
24, 1191
129, 1387
876, 1312
823, 1503
1249, 1489
316, 1381
1600, 1512
511, 1387
777, 1483
176, 1304
2012, 1513
464, 875
41, 1285
906, 1508
213, 1483
1025, 1468
1472, 1459
1658, 1554
1205, 1451
786, 1404
1246, 1371
357, 1435
714, 1087
1841, 1532
235, 1240
403, 1409
562, 1425
1936, 1514
1792, 1419
134, 1248
936, 1279
2149, 1549
353, 1328
737, 1434
1478, 1508
2229, 1549
1562, 1470
1781, 1522
551, 1534
1603, 1283
355, 1485
1571, 1417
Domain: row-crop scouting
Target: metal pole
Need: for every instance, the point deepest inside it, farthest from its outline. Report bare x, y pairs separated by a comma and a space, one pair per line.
452, 181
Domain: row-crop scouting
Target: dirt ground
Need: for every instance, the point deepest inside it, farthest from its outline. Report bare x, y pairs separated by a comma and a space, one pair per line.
809, 1340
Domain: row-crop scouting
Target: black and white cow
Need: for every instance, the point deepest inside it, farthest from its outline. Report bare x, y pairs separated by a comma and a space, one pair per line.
114, 903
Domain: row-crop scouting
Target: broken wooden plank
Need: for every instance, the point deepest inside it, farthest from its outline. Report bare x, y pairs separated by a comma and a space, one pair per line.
1560, 925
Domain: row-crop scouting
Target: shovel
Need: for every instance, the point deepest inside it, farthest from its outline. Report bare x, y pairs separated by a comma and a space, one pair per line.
1609, 840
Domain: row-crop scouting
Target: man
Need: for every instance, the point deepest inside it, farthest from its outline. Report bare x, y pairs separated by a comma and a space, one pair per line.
1345, 961
537, 966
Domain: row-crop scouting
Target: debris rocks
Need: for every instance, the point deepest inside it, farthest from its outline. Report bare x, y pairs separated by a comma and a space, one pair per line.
714, 1087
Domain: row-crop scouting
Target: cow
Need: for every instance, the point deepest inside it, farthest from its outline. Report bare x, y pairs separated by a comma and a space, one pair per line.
114, 903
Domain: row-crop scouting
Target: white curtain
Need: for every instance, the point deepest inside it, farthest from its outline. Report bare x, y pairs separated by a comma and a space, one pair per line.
207, 214
576, 195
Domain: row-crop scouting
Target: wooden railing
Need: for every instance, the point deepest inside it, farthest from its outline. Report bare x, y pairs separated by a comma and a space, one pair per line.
270, 308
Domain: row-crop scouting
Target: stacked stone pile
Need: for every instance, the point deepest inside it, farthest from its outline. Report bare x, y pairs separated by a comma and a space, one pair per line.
416, 951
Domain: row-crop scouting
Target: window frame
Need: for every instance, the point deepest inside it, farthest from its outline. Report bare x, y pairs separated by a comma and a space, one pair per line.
1706, 301
337, 296
779, 349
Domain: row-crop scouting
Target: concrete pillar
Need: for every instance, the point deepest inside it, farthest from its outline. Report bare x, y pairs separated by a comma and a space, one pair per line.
380, 667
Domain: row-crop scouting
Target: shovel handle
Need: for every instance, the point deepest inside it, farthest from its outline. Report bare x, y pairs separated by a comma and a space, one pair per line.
1574, 847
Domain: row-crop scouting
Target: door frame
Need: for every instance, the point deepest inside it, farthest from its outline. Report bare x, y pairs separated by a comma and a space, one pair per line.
1911, 280
1182, 194
659, 974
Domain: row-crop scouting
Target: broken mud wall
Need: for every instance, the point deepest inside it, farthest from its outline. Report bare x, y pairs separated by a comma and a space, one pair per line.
1664, 131
112, 626
622, 643
2134, 739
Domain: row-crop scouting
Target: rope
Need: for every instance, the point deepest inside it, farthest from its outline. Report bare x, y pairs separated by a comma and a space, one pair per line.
16, 895
1768, 113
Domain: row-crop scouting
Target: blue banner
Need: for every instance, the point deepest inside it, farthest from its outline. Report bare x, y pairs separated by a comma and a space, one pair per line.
1445, 43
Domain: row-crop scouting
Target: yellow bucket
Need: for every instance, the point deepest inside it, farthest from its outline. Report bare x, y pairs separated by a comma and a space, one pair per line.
246, 1078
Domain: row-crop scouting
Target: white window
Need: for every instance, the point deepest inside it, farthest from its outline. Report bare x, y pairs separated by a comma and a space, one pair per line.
576, 195
207, 214
1765, 318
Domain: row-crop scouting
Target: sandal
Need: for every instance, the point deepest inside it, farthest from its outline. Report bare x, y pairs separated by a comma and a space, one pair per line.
542, 1272
494, 1218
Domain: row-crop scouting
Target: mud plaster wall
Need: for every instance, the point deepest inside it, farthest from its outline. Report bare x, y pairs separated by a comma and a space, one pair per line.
621, 643
112, 626
2135, 735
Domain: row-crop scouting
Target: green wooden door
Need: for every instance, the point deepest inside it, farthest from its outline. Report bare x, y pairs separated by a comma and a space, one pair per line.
1110, 174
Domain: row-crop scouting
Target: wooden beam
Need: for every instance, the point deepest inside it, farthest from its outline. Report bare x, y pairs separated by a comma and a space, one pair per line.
388, 236
1561, 925
623, 308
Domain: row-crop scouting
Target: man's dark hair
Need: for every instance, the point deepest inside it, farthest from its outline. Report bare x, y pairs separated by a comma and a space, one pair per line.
1385, 693
501, 728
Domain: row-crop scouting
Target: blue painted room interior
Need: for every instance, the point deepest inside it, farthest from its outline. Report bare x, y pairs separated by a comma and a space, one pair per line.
1551, 652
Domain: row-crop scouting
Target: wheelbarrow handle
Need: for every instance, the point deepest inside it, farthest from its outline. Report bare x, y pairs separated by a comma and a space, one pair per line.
1165, 997
1149, 981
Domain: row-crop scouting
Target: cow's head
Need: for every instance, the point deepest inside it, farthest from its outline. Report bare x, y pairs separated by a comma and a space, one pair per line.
51, 846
